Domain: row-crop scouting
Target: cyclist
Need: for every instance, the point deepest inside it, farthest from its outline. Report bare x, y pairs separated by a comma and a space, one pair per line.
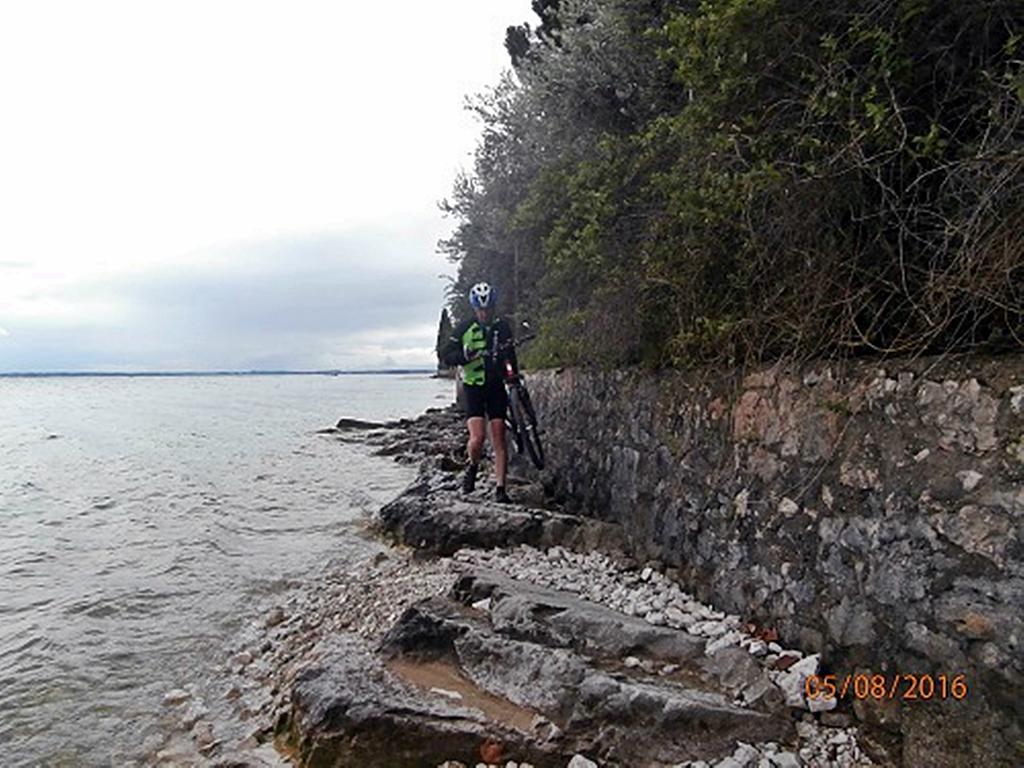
474, 345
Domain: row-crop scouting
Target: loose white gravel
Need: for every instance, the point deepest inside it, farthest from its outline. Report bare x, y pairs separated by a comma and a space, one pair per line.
651, 595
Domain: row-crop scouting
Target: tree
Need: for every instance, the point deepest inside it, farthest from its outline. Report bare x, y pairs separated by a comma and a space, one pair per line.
444, 331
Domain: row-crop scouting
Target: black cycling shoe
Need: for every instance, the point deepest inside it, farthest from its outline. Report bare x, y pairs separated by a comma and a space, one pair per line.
501, 497
469, 479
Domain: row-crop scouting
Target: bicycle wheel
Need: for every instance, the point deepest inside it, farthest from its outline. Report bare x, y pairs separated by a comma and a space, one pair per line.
519, 401
512, 426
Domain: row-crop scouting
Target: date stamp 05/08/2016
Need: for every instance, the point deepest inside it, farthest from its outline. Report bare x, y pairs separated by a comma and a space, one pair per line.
905, 687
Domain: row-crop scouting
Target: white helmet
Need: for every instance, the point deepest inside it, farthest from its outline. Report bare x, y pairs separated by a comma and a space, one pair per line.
482, 296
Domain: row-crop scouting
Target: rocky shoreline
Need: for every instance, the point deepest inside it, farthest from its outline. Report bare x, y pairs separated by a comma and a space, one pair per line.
518, 635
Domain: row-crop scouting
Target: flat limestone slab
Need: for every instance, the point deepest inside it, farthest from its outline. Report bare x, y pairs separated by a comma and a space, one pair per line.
560, 619
350, 709
433, 517
623, 718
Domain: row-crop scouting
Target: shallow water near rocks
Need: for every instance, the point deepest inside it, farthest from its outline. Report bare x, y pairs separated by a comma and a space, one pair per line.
146, 520
443, 678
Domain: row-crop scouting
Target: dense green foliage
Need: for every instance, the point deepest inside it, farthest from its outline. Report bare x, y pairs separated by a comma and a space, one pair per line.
670, 182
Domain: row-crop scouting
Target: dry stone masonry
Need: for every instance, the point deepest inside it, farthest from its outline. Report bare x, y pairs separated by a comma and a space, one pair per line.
874, 516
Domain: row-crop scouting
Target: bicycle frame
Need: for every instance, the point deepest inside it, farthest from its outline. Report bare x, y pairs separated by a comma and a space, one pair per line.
520, 418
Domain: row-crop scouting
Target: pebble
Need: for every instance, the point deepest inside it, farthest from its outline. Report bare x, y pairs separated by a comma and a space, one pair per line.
757, 648
840, 737
175, 697
836, 720
792, 680
715, 629
969, 479
729, 638
195, 712
745, 754
822, 704
454, 695
202, 733
674, 616
788, 507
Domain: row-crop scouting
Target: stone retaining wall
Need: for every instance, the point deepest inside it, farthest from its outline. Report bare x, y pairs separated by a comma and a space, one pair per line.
874, 515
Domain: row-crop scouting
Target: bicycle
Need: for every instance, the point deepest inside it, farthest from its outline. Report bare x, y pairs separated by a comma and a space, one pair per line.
521, 419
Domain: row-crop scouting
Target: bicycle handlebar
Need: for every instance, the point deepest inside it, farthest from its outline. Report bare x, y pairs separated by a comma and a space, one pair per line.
515, 342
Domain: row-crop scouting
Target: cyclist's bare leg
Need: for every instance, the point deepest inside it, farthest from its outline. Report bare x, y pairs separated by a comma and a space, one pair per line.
475, 444
500, 451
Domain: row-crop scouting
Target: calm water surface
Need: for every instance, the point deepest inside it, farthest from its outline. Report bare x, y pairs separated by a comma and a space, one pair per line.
145, 520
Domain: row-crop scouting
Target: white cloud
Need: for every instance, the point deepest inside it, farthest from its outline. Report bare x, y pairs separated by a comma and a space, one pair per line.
142, 135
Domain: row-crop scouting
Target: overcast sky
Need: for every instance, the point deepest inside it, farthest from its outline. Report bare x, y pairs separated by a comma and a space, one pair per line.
232, 185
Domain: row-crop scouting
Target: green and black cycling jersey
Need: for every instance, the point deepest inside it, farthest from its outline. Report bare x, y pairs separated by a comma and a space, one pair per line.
489, 368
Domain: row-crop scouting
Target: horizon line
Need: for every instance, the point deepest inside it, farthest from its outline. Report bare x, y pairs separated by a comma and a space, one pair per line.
251, 372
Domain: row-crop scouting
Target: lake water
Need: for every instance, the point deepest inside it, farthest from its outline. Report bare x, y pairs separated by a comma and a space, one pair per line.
146, 519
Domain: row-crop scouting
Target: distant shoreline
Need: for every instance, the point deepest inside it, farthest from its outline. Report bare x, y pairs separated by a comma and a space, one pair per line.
169, 374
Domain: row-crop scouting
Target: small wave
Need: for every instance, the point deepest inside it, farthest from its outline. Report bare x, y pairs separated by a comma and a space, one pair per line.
24, 644
178, 566
247, 530
102, 611
96, 608
144, 602
119, 658
263, 587
27, 608
212, 544
33, 557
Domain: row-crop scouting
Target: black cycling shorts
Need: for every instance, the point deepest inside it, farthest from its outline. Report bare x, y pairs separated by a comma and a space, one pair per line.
490, 400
